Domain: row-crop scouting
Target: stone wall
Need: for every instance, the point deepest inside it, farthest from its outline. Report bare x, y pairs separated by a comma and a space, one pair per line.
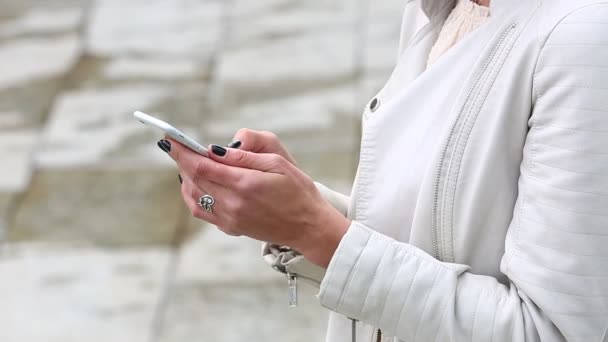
95, 243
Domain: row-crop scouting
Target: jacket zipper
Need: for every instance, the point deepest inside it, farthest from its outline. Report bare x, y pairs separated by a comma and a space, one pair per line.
292, 290
378, 335
471, 96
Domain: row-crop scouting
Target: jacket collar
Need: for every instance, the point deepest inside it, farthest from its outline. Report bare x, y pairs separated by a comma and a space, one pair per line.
433, 8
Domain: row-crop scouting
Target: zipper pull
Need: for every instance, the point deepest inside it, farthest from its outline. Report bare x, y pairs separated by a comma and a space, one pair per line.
292, 290
378, 335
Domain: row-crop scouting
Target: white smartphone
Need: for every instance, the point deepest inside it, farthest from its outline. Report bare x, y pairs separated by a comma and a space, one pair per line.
172, 132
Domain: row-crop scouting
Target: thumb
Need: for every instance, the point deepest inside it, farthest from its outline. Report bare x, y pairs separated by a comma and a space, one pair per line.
265, 162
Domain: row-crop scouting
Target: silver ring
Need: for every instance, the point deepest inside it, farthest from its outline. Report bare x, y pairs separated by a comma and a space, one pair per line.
206, 202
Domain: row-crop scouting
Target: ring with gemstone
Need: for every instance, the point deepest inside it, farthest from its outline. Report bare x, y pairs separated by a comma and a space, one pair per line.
206, 202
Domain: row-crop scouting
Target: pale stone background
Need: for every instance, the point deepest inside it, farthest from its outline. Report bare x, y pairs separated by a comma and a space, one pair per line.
95, 243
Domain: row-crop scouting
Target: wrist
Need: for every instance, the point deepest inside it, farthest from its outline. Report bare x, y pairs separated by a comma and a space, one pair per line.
327, 232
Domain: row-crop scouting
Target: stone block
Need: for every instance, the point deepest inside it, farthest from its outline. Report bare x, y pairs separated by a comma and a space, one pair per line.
16, 171
235, 313
154, 28
76, 293
158, 69
43, 21
276, 68
27, 86
213, 257
16, 11
104, 207
253, 22
21, 59
17, 164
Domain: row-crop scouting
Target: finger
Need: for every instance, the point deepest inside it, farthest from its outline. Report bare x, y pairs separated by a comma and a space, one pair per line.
190, 195
219, 215
197, 168
264, 162
255, 141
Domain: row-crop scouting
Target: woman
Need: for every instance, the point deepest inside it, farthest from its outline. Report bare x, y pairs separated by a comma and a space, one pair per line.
480, 207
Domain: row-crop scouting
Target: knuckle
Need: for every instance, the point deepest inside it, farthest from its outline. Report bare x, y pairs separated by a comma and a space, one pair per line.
244, 133
248, 186
278, 160
241, 157
200, 168
270, 136
238, 208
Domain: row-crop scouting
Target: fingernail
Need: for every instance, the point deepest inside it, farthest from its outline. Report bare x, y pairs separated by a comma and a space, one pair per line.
164, 145
180, 179
235, 144
218, 150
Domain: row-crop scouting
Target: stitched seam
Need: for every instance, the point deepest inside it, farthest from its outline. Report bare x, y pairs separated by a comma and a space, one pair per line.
578, 129
568, 190
390, 289
424, 306
561, 229
373, 280
522, 191
574, 66
475, 315
577, 86
330, 274
409, 292
577, 314
353, 273
575, 44
571, 150
585, 22
550, 34
494, 323
443, 313
572, 171
543, 265
555, 291
601, 214
578, 108
573, 132
566, 252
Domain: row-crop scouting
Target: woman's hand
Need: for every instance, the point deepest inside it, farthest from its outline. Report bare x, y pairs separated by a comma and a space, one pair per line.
263, 196
260, 142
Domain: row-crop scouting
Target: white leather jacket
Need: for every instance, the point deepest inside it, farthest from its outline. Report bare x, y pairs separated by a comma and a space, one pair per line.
509, 238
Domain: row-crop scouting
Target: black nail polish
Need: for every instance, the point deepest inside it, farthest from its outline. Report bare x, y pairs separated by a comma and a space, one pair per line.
164, 145
218, 150
235, 144
180, 179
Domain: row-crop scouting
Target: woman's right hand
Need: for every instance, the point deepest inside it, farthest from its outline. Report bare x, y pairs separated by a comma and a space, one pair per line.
260, 142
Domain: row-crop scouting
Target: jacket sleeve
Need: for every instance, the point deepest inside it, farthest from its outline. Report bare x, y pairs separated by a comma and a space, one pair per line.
556, 255
336, 199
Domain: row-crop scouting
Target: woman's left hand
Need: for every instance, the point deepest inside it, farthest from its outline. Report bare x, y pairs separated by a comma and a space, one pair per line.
262, 196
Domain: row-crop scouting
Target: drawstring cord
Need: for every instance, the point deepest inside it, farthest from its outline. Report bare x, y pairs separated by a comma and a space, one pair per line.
354, 330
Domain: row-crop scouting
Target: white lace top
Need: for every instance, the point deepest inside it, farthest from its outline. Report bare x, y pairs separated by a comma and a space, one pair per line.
465, 18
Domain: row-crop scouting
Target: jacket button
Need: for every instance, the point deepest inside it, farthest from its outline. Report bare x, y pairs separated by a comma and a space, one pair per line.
374, 105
